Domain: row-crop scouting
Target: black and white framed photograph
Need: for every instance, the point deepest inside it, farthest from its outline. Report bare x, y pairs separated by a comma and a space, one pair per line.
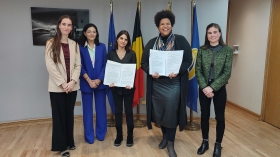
44, 22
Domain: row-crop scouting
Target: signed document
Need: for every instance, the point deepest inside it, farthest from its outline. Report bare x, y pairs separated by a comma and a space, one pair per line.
165, 62
119, 74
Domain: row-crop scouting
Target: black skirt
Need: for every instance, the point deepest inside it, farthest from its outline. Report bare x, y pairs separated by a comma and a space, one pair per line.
165, 101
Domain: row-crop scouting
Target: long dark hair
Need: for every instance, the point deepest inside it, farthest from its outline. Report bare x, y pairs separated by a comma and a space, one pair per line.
83, 38
128, 45
207, 42
55, 42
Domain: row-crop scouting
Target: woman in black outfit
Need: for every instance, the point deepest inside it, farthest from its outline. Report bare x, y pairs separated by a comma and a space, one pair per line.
166, 96
122, 53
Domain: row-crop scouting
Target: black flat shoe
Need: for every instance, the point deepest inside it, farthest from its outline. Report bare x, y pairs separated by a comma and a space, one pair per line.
202, 149
217, 150
65, 153
72, 148
118, 141
129, 141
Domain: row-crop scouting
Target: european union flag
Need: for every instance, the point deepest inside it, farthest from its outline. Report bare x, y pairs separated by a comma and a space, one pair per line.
193, 86
111, 41
112, 34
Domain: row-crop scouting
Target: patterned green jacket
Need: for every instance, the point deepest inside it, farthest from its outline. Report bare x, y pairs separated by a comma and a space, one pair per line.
222, 67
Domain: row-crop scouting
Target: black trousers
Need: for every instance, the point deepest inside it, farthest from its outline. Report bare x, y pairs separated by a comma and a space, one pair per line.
219, 101
63, 120
125, 100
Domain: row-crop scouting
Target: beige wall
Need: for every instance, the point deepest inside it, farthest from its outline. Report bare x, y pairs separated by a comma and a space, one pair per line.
249, 23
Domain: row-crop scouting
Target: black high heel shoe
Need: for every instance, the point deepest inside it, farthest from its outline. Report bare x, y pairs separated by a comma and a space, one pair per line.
204, 146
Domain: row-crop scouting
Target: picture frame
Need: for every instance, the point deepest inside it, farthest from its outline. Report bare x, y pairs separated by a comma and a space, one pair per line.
44, 21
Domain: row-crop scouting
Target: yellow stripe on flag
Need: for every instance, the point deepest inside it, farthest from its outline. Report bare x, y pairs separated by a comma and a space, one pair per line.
192, 71
137, 47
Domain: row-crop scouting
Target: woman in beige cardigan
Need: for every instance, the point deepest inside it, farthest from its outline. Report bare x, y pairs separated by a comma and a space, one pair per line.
63, 63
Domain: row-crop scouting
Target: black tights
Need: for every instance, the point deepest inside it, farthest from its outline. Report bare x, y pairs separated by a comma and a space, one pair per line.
170, 133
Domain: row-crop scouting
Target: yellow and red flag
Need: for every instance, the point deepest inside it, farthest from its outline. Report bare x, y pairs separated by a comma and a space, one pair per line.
137, 47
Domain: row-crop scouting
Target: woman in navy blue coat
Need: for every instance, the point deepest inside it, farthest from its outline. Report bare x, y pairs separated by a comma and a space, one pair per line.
93, 59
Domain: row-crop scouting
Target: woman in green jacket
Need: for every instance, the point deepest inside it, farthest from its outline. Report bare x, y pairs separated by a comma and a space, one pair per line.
213, 70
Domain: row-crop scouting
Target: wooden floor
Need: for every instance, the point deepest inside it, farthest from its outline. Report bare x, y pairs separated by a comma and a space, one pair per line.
244, 137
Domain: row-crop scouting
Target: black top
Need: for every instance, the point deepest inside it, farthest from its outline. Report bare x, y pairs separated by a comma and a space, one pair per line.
214, 50
164, 39
129, 57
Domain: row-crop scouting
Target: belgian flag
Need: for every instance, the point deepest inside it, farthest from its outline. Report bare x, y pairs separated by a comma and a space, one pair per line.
137, 47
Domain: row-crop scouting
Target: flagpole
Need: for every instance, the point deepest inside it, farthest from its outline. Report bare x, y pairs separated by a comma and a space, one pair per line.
111, 122
111, 6
139, 123
139, 10
192, 126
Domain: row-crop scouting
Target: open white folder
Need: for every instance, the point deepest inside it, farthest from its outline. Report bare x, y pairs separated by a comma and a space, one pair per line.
119, 74
165, 62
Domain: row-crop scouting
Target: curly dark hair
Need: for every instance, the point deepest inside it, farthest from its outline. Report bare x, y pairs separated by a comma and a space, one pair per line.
164, 14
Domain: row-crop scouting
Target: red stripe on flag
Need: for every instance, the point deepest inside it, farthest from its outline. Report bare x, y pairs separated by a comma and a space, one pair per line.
139, 87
